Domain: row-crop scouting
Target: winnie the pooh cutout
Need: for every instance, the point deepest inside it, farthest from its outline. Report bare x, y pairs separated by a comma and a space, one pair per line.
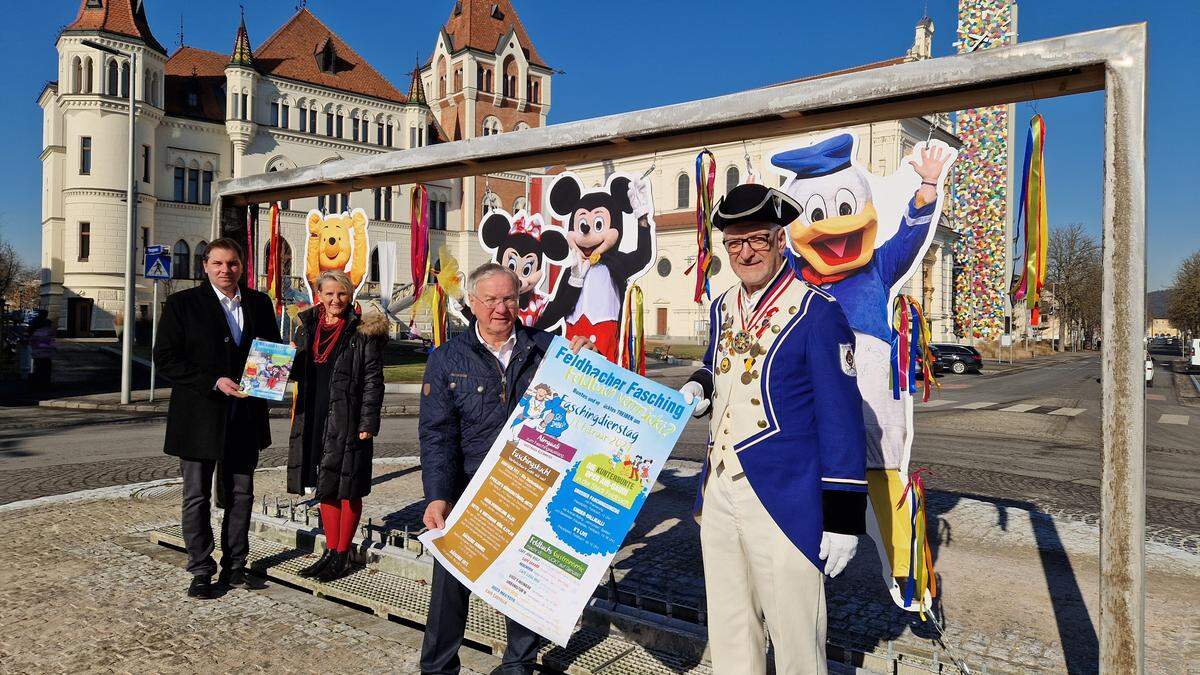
336, 242
860, 238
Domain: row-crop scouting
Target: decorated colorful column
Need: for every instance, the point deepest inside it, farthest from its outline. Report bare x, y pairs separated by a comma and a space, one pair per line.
982, 179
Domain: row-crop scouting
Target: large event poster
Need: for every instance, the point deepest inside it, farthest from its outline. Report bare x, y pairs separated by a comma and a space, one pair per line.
549, 507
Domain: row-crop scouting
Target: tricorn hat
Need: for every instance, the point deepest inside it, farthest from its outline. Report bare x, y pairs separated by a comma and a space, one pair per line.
752, 203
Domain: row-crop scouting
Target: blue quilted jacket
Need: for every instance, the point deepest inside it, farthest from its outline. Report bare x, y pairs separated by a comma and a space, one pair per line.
465, 400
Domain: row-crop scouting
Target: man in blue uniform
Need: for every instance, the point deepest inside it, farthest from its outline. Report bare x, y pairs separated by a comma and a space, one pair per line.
784, 489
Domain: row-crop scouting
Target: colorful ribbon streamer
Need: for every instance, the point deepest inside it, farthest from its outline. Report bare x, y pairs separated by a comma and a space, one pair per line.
633, 332
1033, 206
705, 181
419, 241
921, 576
910, 347
437, 315
274, 271
251, 229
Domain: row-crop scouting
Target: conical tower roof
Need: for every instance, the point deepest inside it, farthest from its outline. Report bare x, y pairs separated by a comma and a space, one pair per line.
126, 18
242, 54
416, 88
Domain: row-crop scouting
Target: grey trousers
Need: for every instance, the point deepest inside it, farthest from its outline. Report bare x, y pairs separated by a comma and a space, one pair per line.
235, 480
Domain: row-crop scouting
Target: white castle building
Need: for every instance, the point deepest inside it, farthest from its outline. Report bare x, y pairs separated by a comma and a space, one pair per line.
303, 97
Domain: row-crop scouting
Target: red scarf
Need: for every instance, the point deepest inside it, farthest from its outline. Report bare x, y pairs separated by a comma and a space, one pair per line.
326, 336
817, 279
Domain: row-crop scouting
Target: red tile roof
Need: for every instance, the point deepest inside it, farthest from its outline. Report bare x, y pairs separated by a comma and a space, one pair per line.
481, 24
115, 16
292, 53
199, 73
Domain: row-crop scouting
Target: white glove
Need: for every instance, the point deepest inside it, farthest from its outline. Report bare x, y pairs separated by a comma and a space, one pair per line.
836, 551
692, 391
639, 197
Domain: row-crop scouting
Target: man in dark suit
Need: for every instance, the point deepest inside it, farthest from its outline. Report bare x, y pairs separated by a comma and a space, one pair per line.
203, 341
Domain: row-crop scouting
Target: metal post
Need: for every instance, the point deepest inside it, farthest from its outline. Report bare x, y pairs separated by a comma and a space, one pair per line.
153, 337
130, 243
1123, 484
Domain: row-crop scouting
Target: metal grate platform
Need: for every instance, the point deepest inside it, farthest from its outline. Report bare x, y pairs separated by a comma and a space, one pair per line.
390, 595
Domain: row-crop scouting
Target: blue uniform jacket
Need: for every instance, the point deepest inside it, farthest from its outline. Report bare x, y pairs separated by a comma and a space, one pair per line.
864, 294
808, 466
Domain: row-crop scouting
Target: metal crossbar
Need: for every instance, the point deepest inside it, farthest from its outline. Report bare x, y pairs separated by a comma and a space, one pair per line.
1112, 59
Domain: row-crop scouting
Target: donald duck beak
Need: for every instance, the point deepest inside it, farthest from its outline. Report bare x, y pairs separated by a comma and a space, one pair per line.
837, 244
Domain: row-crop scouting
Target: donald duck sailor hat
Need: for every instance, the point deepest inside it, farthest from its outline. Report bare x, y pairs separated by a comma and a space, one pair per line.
829, 156
755, 204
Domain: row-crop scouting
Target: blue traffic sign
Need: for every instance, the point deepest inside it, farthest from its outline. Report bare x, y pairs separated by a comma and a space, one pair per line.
158, 262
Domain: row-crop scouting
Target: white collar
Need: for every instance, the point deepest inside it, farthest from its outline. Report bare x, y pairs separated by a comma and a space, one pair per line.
237, 297
512, 338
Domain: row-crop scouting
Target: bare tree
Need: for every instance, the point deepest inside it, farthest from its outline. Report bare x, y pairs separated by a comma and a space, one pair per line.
1183, 306
1074, 274
12, 270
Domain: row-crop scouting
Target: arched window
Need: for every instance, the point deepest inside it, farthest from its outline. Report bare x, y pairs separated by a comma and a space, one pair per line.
510, 77
198, 259
113, 78
682, 191
154, 88
491, 126
285, 258
180, 259
521, 126
125, 80
519, 204
76, 75
87, 75
374, 278
441, 75
732, 178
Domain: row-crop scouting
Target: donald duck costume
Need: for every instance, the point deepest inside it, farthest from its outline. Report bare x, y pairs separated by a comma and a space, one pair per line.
833, 247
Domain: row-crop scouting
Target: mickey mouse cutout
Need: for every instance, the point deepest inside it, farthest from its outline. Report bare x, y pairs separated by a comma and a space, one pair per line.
589, 300
523, 244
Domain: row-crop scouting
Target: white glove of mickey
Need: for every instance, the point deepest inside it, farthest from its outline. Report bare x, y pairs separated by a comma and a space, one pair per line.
836, 551
692, 391
639, 197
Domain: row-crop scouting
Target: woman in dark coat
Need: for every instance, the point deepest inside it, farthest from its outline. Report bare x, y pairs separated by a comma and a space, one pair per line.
339, 375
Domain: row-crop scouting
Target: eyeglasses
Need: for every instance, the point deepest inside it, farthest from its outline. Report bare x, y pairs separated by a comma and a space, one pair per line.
757, 242
490, 303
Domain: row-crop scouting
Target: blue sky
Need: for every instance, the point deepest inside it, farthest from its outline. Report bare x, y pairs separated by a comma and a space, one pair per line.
623, 55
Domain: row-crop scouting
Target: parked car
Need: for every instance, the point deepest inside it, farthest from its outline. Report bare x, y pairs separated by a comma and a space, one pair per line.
1166, 346
1149, 370
958, 359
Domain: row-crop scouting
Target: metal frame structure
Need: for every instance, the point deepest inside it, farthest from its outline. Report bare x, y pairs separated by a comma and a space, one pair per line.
1113, 60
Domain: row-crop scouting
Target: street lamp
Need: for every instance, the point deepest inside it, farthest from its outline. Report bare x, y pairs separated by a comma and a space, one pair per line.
131, 226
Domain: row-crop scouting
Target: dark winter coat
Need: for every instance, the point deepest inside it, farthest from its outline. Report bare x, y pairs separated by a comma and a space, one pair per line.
355, 399
195, 349
465, 400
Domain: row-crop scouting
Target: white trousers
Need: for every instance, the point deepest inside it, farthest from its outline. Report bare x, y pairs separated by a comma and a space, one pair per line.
753, 571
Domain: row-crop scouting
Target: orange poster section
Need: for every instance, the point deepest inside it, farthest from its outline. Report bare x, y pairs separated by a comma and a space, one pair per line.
492, 518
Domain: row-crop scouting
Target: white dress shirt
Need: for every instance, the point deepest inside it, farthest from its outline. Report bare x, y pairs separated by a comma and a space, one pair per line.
232, 307
504, 352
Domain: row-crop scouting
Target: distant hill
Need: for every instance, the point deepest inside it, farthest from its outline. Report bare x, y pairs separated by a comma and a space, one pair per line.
1156, 303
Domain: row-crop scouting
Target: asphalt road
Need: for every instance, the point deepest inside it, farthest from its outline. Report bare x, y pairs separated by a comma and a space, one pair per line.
1030, 436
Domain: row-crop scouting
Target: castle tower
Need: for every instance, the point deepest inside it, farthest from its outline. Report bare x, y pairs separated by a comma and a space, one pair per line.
85, 161
486, 77
922, 47
241, 80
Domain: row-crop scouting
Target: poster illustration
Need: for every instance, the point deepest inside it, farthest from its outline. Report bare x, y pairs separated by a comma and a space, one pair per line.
861, 237
268, 367
610, 233
336, 242
548, 508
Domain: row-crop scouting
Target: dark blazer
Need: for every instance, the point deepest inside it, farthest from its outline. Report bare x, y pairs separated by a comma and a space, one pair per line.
355, 400
465, 401
194, 350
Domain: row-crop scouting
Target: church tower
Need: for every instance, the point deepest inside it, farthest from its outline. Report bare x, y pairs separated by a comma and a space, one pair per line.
85, 161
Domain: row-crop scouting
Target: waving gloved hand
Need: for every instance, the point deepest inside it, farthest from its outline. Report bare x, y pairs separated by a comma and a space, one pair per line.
836, 551
639, 198
692, 391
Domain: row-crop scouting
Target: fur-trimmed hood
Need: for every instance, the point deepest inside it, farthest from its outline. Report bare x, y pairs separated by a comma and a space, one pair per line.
373, 324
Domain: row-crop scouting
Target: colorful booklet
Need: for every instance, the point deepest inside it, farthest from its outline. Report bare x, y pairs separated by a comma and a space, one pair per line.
268, 367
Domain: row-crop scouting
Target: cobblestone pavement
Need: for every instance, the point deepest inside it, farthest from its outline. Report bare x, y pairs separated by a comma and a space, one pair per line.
1019, 587
76, 599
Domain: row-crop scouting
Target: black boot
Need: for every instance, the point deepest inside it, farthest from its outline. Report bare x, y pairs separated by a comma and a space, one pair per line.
316, 568
338, 567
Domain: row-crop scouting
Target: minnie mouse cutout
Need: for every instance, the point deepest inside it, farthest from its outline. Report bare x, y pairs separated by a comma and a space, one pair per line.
524, 244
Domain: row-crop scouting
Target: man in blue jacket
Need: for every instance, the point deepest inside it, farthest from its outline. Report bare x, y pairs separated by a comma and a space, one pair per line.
784, 491
472, 384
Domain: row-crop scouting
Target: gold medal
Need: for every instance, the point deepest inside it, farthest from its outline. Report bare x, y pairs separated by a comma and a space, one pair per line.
725, 365
741, 342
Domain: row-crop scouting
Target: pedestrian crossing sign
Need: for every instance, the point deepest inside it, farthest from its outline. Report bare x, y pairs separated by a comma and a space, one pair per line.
158, 263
